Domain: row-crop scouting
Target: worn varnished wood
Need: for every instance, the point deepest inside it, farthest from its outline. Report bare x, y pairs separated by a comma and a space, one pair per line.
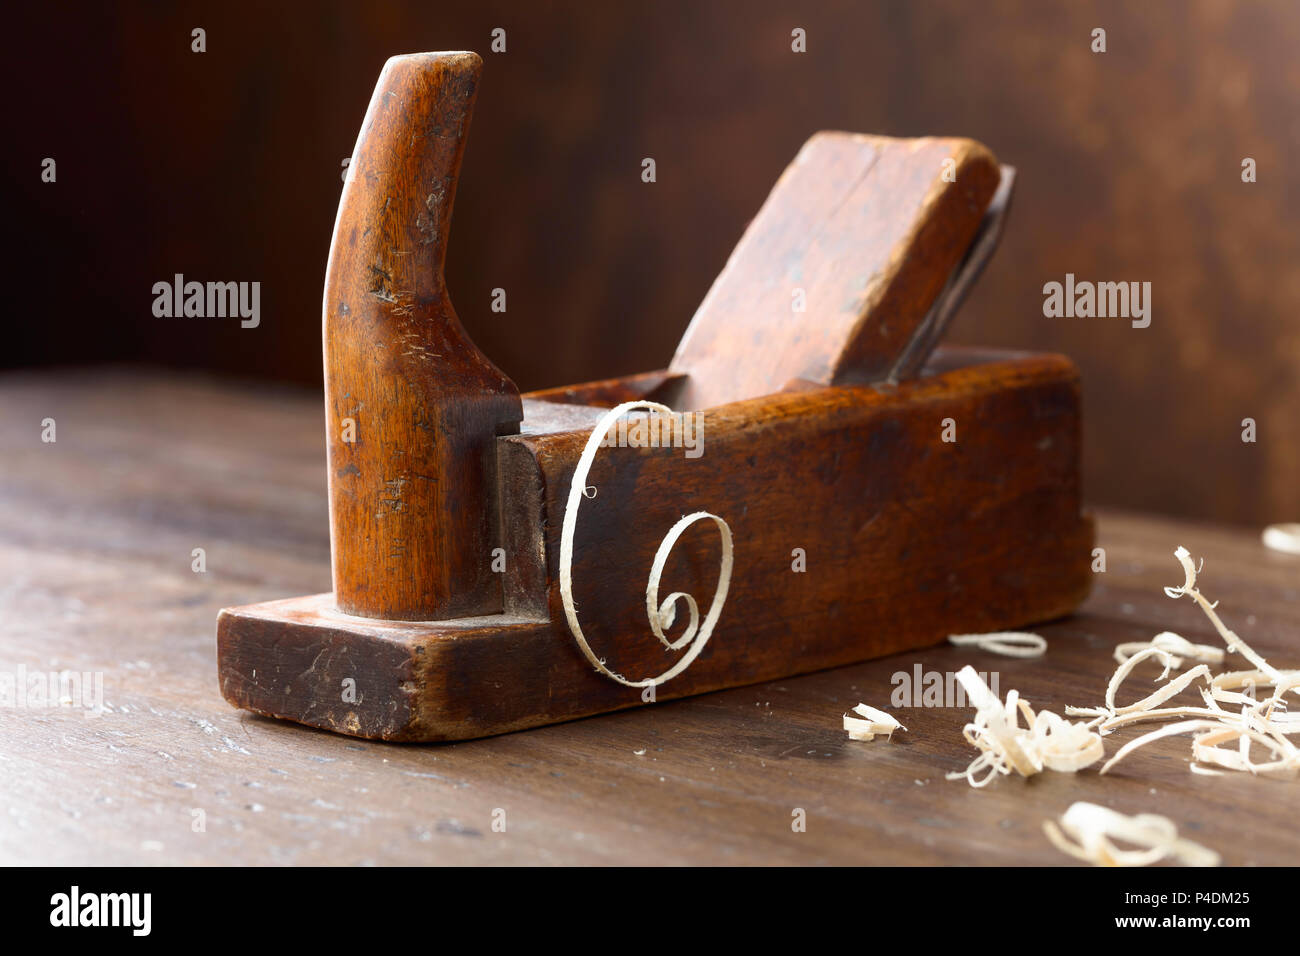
413, 527
904, 537
96, 534
657, 386
866, 229
437, 519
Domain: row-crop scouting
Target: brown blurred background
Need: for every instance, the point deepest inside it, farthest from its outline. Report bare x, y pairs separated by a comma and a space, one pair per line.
226, 166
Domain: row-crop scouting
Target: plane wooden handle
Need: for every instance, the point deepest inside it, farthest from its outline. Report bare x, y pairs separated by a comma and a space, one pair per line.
840, 267
413, 408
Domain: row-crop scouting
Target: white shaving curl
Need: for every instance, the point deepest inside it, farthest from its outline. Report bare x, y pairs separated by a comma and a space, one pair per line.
1282, 537
870, 723
662, 615
1178, 648
1088, 832
1007, 643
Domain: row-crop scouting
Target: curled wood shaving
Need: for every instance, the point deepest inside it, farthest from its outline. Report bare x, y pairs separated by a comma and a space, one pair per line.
1243, 725
1171, 689
1088, 832
1178, 648
870, 723
1282, 537
1046, 740
1234, 643
1223, 690
661, 615
1007, 643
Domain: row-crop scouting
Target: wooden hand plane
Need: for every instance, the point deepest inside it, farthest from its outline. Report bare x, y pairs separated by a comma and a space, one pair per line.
877, 495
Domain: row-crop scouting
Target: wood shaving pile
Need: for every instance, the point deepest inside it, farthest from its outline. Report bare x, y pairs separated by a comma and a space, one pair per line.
1046, 741
1087, 832
870, 722
1244, 724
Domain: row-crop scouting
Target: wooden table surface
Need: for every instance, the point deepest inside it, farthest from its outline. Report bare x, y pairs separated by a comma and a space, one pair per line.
96, 535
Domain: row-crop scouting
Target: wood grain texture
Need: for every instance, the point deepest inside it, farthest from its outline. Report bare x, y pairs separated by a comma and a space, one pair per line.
424, 493
412, 526
96, 532
657, 386
859, 532
839, 267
